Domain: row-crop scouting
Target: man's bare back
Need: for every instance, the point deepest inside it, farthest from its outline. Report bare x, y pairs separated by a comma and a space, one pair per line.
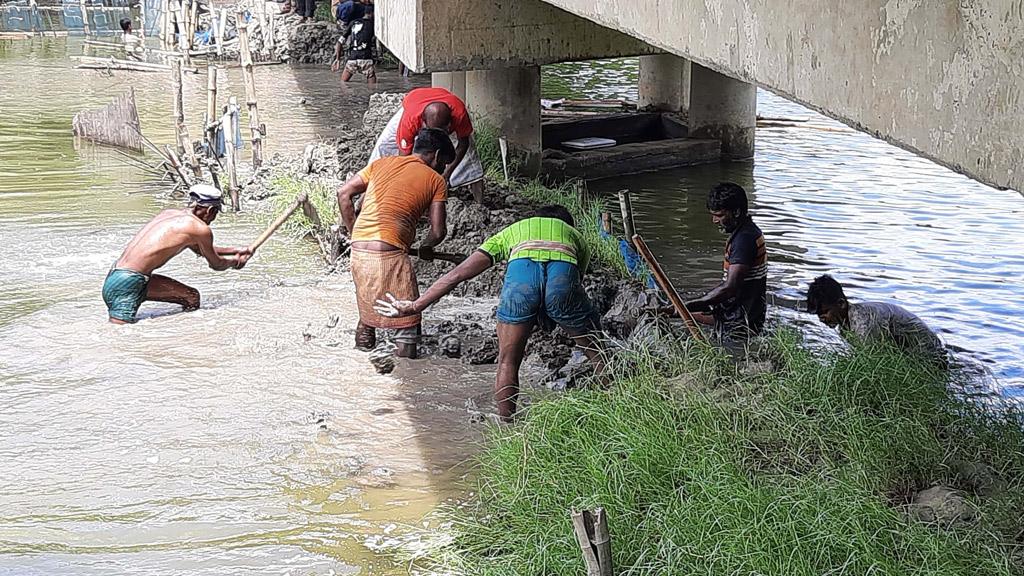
163, 238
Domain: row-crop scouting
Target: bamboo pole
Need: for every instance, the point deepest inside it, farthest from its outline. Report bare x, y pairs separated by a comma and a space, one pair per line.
177, 166
269, 33
193, 22
626, 207
666, 286
245, 57
591, 530
579, 524
85, 18
181, 129
211, 105
278, 222
222, 23
229, 125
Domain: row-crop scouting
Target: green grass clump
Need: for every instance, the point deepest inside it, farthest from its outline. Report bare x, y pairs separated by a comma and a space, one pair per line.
805, 470
287, 188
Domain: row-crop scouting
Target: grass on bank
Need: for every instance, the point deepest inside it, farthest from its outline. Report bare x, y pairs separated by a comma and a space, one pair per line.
706, 470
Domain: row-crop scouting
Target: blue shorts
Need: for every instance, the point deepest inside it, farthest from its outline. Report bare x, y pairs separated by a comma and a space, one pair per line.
550, 288
124, 291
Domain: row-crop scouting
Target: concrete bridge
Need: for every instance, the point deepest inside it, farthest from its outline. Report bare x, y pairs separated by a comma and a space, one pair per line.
942, 78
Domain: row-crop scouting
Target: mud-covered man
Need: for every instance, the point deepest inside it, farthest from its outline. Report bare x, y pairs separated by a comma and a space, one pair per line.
547, 258
131, 281
397, 191
738, 304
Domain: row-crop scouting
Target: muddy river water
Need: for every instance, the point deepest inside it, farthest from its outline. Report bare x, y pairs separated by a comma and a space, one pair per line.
249, 438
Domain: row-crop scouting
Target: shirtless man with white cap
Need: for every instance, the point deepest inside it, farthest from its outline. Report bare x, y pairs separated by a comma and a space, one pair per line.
131, 281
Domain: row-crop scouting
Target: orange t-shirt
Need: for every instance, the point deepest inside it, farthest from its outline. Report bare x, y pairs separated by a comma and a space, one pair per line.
399, 190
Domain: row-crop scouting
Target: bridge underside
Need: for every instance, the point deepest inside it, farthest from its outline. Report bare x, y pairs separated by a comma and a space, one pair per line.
942, 79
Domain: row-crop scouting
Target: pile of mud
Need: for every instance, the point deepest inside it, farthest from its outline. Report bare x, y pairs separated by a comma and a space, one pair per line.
471, 337
275, 37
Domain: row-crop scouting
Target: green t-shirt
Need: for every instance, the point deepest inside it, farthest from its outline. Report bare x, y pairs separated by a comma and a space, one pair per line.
540, 239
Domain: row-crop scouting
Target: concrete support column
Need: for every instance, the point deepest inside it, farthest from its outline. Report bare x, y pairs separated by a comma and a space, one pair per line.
509, 100
664, 83
723, 108
454, 82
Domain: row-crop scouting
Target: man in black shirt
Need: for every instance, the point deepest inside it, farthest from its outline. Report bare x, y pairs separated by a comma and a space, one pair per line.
737, 304
360, 49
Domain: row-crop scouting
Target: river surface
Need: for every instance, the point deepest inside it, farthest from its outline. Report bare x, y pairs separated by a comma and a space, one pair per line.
245, 438
249, 438
887, 224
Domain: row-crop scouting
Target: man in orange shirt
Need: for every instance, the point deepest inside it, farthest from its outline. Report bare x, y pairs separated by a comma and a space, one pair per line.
397, 191
435, 108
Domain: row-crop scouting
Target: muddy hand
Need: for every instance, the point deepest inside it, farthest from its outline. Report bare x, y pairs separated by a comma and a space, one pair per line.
393, 307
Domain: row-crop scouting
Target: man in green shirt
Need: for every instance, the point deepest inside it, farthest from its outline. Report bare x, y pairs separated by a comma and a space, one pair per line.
546, 261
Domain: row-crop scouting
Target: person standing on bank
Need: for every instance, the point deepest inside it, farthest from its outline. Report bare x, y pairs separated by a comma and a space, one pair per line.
547, 258
737, 306
131, 281
397, 191
871, 321
435, 108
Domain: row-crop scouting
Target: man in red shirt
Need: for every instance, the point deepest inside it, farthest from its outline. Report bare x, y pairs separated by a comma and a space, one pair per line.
434, 108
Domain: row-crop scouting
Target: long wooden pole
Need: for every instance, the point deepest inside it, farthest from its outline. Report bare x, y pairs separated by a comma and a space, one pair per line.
666, 286
211, 105
222, 22
245, 56
181, 129
278, 222
228, 123
626, 207
85, 18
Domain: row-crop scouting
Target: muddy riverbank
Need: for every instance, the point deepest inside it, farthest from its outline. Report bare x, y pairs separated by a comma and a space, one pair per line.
324, 166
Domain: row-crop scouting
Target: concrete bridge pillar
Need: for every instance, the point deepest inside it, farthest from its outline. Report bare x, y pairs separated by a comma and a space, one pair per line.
454, 82
509, 100
664, 83
723, 108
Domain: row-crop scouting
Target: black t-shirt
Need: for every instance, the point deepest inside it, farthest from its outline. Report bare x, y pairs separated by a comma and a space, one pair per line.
361, 47
743, 314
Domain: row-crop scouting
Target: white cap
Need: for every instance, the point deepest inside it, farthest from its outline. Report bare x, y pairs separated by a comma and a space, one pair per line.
205, 194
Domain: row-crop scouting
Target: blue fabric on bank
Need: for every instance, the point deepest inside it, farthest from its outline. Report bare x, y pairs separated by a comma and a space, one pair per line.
551, 288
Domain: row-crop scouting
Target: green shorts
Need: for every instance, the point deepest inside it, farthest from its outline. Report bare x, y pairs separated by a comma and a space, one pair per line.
124, 291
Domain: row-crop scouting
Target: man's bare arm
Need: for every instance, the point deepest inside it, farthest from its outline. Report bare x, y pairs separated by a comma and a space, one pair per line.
460, 153
346, 200
727, 289
203, 241
438, 225
470, 268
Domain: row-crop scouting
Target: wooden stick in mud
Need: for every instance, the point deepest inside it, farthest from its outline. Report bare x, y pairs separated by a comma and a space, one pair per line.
222, 22
245, 59
180, 128
666, 286
580, 529
626, 207
280, 221
230, 152
211, 105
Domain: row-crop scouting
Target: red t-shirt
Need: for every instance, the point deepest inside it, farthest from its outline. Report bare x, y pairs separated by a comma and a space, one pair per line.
412, 115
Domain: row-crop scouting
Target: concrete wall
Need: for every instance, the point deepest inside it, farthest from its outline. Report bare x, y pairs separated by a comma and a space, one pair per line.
942, 78
443, 35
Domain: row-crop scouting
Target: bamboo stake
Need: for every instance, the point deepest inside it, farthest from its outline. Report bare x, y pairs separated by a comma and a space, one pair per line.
193, 21
181, 129
222, 23
269, 33
602, 541
177, 165
211, 105
626, 207
229, 125
245, 56
85, 18
277, 223
666, 286
579, 524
